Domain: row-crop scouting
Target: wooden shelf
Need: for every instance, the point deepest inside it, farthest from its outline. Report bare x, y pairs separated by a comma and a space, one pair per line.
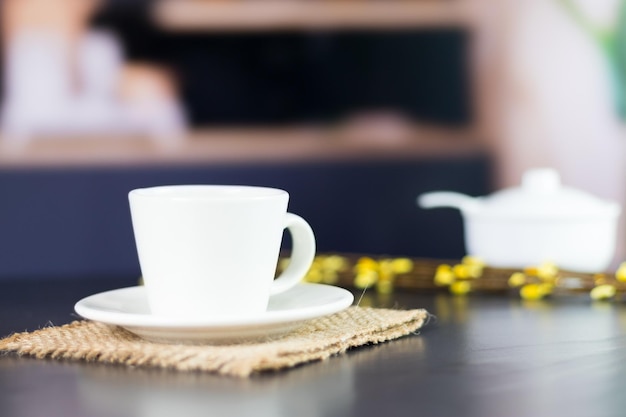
226, 15
236, 146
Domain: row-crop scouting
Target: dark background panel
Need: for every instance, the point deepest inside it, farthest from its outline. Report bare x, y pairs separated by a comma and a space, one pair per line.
74, 222
303, 76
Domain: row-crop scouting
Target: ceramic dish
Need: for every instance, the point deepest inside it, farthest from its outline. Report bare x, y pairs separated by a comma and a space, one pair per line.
128, 308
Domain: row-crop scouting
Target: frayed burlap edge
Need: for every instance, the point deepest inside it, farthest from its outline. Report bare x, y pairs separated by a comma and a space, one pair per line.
316, 340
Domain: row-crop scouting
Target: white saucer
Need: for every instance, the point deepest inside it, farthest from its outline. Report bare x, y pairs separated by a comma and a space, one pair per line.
128, 308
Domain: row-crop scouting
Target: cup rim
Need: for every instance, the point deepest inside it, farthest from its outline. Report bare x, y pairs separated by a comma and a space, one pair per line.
207, 192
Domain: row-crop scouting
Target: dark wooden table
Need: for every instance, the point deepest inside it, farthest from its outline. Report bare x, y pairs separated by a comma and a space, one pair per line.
484, 356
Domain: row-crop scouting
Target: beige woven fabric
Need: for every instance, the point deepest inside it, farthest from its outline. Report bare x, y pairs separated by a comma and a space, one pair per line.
315, 340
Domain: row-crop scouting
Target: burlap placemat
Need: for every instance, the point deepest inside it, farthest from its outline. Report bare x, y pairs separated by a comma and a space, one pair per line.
315, 340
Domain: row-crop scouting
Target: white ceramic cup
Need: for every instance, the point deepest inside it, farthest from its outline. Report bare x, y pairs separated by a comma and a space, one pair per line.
212, 250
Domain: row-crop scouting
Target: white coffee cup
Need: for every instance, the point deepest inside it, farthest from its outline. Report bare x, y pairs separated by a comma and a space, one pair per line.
212, 250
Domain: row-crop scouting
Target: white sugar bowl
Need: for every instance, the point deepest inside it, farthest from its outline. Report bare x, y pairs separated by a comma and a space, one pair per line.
540, 221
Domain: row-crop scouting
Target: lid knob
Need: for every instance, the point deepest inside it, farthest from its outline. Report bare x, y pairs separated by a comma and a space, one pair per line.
541, 180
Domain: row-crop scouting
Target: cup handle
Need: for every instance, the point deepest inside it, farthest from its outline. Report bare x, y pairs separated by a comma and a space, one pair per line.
302, 254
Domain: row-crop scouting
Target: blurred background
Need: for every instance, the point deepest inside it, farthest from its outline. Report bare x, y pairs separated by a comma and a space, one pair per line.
353, 106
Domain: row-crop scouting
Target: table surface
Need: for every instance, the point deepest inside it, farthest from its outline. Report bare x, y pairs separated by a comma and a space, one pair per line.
484, 355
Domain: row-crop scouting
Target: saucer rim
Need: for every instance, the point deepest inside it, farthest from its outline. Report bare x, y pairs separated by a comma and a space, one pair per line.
148, 321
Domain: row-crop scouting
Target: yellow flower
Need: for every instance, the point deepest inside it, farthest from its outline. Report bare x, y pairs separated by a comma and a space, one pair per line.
517, 279
473, 265
323, 269
603, 292
385, 268
474, 271
444, 276
461, 271
472, 260
335, 263
547, 271
365, 264
535, 291
314, 275
402, 265
365, 279
382, 272
460, 287
530, 271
